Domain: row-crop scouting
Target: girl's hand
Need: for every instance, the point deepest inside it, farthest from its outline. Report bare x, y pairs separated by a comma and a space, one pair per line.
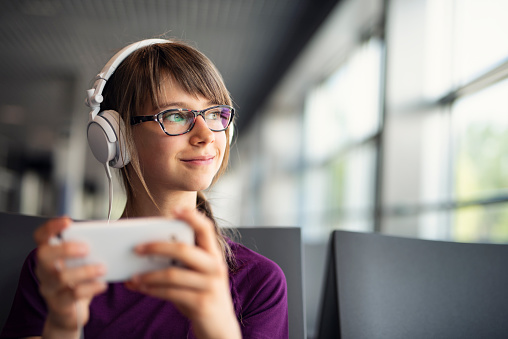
200, 290
67, 291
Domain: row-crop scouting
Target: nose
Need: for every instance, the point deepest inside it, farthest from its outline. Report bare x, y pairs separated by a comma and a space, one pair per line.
200, 133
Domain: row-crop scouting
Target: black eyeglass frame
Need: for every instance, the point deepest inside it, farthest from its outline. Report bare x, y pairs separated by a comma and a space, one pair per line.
158, 117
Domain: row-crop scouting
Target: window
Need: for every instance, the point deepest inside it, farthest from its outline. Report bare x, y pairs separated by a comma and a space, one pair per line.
449, 59
341, 132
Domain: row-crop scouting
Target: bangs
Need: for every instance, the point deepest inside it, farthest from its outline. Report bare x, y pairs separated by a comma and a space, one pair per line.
141, 76
187, 68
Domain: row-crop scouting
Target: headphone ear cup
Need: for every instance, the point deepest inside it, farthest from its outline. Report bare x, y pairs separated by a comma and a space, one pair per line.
106, 139
122, 156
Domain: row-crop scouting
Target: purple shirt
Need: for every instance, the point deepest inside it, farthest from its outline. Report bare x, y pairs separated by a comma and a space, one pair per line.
258, 289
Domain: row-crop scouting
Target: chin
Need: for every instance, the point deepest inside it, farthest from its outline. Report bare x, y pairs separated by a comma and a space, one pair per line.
197, 186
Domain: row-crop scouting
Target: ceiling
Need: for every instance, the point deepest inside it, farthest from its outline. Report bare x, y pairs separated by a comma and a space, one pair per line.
52, 49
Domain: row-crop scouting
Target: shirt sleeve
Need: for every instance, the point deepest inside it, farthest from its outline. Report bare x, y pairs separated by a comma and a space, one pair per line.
261, 304
28, 310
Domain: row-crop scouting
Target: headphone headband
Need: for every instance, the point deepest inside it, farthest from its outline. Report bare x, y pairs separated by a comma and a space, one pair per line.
94, 95
104, 128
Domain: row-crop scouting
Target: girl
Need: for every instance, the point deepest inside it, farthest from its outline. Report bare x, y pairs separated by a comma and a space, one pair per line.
177, 113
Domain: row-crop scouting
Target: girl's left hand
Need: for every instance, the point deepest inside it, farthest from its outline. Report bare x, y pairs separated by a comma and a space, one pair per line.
200, 290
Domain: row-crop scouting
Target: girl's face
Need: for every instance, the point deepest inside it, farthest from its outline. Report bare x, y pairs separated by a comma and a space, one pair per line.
186, 162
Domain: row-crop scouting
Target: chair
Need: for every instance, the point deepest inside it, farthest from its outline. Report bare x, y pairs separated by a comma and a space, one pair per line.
381, 286
16, 241
282, 245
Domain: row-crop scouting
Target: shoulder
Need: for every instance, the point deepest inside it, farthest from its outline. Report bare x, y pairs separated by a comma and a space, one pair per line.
256, 280
28, 269
259, 291
254, 266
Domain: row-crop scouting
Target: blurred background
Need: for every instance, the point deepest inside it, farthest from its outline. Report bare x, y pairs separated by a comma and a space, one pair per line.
366, 115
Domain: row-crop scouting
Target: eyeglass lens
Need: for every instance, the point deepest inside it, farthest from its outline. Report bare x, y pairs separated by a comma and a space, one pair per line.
176, 122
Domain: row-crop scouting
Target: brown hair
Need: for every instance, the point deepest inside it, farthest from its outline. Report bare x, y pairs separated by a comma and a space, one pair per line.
138, 80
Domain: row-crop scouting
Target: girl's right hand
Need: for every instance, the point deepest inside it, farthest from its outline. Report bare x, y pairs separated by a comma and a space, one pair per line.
67, 291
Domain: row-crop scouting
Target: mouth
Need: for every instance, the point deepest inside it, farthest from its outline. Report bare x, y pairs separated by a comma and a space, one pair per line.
200, 160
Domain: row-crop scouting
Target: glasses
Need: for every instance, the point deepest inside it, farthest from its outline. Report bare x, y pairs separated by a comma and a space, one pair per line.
179, 121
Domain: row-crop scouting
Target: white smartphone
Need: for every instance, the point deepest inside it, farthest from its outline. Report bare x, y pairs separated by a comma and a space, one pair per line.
113, 244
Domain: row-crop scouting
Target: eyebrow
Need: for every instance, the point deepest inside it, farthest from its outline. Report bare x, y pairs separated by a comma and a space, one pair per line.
177, 104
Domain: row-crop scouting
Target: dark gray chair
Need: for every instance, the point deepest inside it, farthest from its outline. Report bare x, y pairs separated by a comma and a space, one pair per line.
380, 286
281, 244
284, 246
16, 241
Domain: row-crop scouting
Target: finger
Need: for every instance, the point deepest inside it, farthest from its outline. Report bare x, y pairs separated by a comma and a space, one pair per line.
74, 276
89, 289
191, 257
175, 294
51, 256
203, 227
173, 277
55, 282
50, 229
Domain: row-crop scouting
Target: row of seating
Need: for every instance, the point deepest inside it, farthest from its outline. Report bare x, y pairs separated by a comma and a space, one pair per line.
375, 286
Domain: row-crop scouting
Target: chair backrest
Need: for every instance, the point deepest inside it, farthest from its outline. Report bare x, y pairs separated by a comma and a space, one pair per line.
280, 244
16, 241
283, 245
389, 287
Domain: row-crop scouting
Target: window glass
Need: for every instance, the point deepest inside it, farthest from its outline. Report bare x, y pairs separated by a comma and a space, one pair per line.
435, 156
463, 40
352, 189
341, 114
401, 224
434, 225
314, 204
479, 37
279, 200
363, 103
481, 143
431, 224
340, 194
354, 177
481, 223
438, 48
322, 123
345, 108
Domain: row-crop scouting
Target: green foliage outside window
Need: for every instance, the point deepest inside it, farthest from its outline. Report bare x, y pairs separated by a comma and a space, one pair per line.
482, 173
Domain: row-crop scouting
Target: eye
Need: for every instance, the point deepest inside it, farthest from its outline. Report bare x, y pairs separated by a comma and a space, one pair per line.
213, 115
175, 118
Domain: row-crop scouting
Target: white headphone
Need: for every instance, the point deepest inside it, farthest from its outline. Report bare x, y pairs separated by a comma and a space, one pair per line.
103, 131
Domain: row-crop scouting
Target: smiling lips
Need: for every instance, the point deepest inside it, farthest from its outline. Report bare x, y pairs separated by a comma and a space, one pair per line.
201, 160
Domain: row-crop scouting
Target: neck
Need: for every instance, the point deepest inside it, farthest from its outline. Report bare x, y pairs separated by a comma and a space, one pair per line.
140, 205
